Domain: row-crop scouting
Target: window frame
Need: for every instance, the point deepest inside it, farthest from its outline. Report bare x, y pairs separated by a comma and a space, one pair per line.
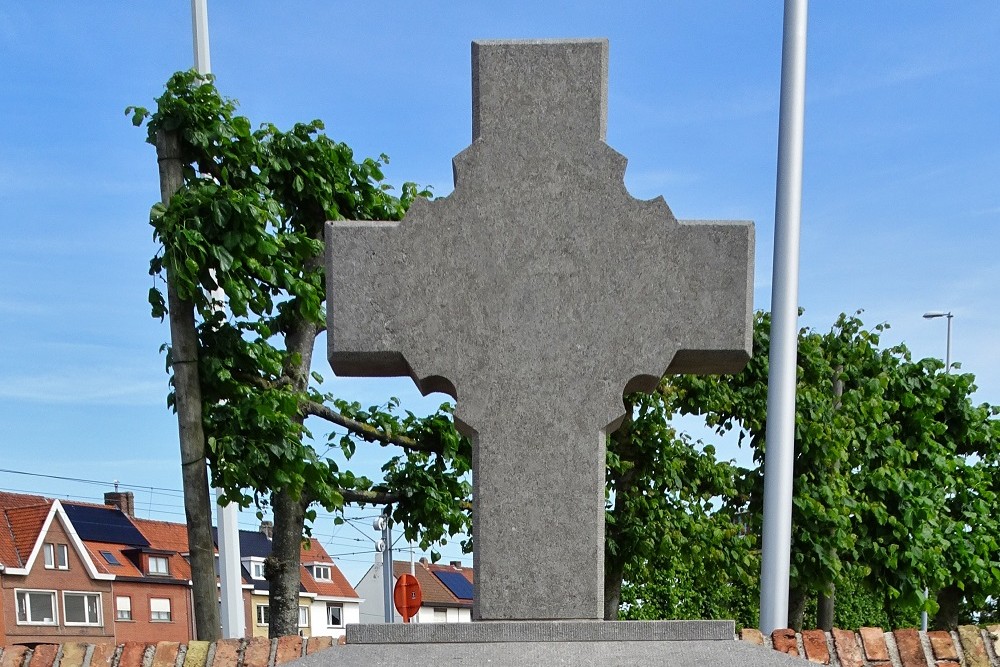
156, 572
169, 612
263, 615
322, 568
304, 608
87, 623
62, 556
257, 570
331, 605
119, 609
18, 592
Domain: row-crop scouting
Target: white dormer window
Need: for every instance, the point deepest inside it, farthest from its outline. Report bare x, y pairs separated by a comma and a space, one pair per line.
321, 572
255, 566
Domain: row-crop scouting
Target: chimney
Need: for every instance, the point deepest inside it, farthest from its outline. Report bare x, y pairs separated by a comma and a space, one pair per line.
457, 564
267, 528
123, 500
424, 561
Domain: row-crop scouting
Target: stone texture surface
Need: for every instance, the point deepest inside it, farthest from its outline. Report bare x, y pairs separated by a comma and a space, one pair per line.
847, 648
942, 645
973, 646
197, 654
73, 654
288, 649
318, 644
582, 654
993, 632
911, 653
44, 655
752, 635
814, 644
873, 639
539, 631
257, 652
784, 641
13, 656
539, 278
226, 653
132, 654
102, 655
165, 654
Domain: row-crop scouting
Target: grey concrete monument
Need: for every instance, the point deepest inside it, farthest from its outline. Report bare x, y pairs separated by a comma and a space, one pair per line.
535, 294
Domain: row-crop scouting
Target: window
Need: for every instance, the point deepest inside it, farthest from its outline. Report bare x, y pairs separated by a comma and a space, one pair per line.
123, 608
110, 558
303, 617
321, 572
159, 609
36, 607
82, 608
56, 556
158, 565
263, 614
334, 615
258, 570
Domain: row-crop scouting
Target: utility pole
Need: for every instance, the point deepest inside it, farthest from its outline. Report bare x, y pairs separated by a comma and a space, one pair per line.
227, 517
385, 522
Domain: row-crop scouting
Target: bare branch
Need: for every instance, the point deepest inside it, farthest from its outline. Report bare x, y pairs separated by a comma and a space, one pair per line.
366, 431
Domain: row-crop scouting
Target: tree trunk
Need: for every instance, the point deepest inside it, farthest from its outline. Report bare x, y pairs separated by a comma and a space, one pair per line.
796, 608
187, 397
949, 600
824, 610
614, 571
282, 566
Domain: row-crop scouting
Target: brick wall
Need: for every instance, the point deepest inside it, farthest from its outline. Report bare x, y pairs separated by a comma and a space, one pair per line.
970, 646
256, 652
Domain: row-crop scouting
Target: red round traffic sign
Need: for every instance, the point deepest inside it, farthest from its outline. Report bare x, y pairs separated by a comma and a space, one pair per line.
407, 596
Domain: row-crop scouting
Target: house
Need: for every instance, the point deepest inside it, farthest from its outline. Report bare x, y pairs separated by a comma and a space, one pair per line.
327, 602
446, 591
51, 587
72, 571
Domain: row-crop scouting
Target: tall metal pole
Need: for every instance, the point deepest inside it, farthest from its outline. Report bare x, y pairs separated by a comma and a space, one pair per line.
947, 371
226, 518
780, 435
387, 568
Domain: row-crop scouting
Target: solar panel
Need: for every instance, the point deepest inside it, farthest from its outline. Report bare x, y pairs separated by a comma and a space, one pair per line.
110, 557
104, 524
456, 582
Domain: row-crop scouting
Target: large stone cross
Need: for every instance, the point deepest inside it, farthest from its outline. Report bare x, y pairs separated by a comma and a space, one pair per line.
535, 294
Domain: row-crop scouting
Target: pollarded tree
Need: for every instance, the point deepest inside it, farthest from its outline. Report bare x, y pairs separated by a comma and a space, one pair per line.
248, 220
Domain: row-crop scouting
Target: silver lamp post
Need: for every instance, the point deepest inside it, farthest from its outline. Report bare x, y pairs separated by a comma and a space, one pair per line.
934, 314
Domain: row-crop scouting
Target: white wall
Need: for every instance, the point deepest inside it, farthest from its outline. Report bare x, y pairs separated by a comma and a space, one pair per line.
317, 617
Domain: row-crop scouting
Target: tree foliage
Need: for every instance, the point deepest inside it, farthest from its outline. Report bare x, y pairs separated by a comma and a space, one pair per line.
248, 224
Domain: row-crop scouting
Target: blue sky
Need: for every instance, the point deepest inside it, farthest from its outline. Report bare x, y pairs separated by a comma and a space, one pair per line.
901, 201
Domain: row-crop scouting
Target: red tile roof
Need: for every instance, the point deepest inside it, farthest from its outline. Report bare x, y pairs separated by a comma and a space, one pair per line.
125, 568
168, 537
338, 586
432, 590
24, 524
12, 530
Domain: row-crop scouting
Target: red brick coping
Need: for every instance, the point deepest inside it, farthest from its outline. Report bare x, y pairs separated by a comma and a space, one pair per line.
256, 652
970, 646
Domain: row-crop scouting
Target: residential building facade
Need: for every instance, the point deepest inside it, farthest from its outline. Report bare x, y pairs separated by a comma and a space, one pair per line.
446, 591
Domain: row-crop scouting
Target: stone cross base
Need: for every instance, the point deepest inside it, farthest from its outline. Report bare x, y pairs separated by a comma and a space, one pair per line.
520, 643
486, 632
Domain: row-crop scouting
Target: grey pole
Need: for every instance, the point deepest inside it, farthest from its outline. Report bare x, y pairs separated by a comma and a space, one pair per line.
226, 518
780, 435
199, 28
947, 370
387, 568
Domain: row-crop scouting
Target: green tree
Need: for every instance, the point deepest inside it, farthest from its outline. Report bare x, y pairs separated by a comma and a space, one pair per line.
248, 220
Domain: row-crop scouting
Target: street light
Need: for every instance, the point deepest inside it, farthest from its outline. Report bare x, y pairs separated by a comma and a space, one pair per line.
931, 315
939, 313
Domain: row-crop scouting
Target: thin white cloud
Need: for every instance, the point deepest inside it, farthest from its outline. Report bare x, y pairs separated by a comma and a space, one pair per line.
82, 387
